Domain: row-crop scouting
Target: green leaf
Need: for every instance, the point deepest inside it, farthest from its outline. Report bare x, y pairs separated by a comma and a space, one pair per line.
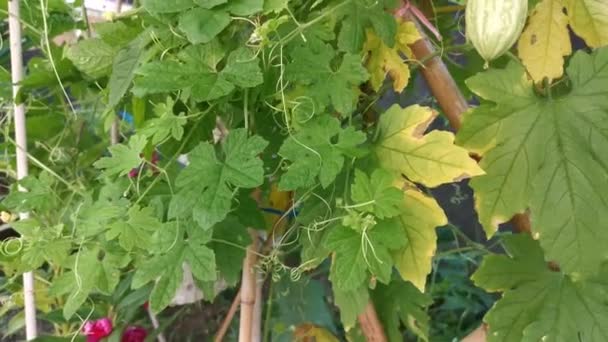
161, 6
402, 303
207, 183
243, 69
230, 239
94, 217
318, 150
123, 68
46, 246
109, 275
165, 124
540, 304
360, 16
351, 303
312, 68
349, 267
377, 195
209, 54
210, 3
431, 159
116, 34
165, 76
165, 288
275, 6
166, 269
39, 194
93, 57
420, 216
202, 263
546, 155
202, 25
124, 157
137, 230
356, 252
524, 263
84, 278
245, 7
210, 87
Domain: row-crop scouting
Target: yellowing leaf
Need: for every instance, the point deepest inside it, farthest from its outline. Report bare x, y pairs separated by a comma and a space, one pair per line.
419, 217
545, 41
589, 19
384, 59
431, 159
308, 332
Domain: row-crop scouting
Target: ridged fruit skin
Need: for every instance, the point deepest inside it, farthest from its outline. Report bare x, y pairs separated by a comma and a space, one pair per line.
493, 26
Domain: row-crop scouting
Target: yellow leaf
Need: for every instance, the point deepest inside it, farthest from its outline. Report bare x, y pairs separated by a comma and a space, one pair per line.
386, 60
421, 215
545, 41
589, 19
431, 159
280, 201
312, 333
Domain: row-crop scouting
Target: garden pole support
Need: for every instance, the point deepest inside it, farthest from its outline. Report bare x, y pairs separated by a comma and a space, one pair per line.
370, 324
450, 99
115, 128
248, 289
21, 152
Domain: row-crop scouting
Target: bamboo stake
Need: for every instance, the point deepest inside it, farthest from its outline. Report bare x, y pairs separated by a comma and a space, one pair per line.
114, 129
370, 324
256, 324
248, 289
229, 315
21, 152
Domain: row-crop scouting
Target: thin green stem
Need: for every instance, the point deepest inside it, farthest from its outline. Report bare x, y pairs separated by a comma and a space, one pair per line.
441, 52
246, 109
310, 23
267, 319
47, 169
85, 17
24, 23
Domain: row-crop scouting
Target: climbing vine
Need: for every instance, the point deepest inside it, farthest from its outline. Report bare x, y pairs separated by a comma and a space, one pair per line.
276, 121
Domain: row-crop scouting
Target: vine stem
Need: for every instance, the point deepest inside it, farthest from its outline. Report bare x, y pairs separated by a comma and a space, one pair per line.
14, 18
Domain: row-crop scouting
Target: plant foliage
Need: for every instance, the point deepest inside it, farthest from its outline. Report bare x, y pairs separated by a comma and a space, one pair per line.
228, 109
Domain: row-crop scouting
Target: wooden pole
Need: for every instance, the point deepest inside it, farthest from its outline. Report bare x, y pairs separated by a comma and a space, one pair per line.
114, 129
248, 289
370, 324
219, 337
14, 17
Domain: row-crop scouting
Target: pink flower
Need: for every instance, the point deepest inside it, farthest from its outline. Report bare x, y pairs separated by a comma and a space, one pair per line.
134, 334
96, 330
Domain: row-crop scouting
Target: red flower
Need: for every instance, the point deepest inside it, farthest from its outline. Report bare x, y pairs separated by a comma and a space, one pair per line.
134, 334
96, 330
